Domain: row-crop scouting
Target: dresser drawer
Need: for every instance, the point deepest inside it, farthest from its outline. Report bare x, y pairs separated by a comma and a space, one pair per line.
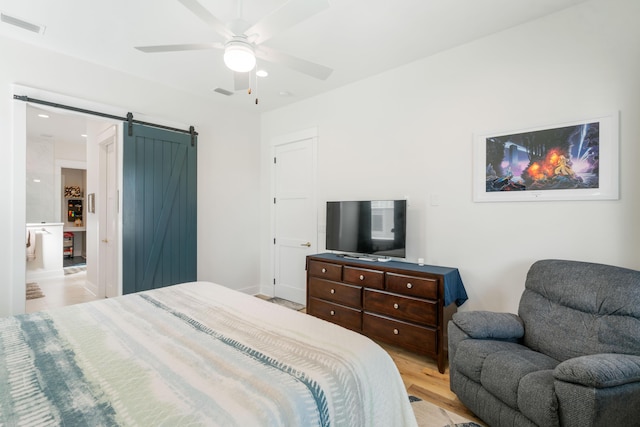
341, 293
410, 285
364, 277
335, 313
325, 270
419, 339
401, 307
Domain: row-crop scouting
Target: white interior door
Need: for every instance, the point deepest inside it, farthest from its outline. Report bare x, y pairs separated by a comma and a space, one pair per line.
295, 216
108, 213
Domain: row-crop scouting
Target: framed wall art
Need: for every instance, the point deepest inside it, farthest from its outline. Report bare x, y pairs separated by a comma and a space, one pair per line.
566, 161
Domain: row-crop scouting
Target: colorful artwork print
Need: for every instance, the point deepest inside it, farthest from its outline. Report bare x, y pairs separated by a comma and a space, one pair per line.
551, 159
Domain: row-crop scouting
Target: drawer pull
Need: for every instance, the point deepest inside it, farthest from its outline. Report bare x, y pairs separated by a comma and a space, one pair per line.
333, 291
324, 270
362, 277
396, 306
409, 286
333, 313
396, 332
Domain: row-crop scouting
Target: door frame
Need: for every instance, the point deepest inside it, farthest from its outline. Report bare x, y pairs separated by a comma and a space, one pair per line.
101, 209
301, 135
17, 274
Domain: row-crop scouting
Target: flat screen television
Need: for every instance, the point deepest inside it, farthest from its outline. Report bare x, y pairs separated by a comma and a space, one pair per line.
371, 227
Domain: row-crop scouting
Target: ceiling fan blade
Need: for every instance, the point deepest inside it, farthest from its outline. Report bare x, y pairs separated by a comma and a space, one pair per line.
306, 67
241, 80
288, 15
179, 47
208, 18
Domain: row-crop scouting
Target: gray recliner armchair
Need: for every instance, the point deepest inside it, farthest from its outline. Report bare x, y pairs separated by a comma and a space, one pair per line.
571, 357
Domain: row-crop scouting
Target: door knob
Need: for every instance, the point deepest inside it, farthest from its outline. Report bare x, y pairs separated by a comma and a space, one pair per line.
308, 244
105, 241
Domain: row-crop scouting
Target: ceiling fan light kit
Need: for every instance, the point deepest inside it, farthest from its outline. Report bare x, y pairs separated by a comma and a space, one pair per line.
243, 44
239, 56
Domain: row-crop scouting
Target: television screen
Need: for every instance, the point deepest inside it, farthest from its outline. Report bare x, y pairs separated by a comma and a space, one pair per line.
374, 227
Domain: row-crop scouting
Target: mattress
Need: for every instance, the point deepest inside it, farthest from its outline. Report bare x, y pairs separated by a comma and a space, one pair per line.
193, 354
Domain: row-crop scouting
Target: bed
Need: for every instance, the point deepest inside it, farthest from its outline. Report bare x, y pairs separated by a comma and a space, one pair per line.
193, 354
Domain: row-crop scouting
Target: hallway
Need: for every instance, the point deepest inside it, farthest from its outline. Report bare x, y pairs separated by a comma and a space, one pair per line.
61, 292
75, 261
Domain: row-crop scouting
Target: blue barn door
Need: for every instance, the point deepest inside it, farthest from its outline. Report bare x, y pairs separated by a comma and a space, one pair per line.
159, 209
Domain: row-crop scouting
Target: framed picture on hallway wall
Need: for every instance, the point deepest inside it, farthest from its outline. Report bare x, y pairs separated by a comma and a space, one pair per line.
565, 161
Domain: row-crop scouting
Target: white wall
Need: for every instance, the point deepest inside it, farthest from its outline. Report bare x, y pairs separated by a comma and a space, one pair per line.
408, 132
41, 193
229, 169
227, 162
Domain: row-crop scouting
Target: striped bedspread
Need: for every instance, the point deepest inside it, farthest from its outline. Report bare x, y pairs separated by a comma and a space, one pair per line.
195, 354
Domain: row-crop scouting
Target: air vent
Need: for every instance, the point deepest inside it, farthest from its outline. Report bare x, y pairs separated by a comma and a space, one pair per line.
223, 91
16, 22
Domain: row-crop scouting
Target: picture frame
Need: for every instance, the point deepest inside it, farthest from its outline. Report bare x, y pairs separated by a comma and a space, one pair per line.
576, 160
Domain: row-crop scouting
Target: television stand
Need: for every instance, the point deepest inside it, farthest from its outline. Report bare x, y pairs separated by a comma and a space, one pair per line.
403, 304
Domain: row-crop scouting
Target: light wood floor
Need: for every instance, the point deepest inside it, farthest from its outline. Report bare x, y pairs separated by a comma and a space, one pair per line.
419, 373
68, 290
422, 379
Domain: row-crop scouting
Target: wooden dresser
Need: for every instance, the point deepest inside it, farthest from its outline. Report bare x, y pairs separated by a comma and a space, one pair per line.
403, 304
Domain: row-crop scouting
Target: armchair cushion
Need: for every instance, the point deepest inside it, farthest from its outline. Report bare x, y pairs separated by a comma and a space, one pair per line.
503, 371
600, 370
573, 309
537, 399
471, 355
489, 325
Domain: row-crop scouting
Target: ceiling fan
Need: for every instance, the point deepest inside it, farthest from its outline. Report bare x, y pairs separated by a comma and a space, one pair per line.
243, 43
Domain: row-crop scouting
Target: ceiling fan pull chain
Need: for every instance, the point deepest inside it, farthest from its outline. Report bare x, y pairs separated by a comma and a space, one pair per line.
255, 77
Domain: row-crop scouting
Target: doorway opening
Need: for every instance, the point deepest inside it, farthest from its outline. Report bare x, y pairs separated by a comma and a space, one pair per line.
63, 174
73, 215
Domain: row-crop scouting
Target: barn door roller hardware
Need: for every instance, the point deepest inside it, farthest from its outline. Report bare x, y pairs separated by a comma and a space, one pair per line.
129, 119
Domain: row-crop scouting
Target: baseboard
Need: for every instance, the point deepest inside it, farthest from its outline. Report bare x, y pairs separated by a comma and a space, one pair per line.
91, 287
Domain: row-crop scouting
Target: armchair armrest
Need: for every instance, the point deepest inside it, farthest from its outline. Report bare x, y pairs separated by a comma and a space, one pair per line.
489, 325
600, 370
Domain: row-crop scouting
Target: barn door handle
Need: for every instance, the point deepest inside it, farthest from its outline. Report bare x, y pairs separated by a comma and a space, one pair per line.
308, 244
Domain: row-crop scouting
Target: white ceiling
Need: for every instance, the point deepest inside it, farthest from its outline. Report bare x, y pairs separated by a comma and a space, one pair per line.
55, 125
355, 38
